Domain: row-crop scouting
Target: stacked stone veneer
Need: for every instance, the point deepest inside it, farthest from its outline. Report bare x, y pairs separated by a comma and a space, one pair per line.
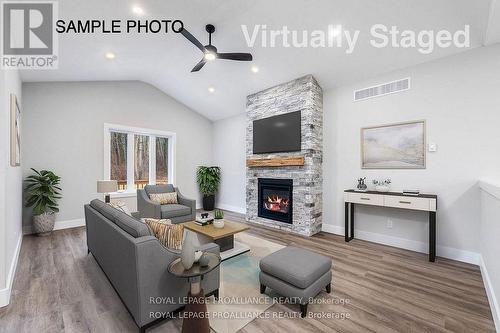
305, 95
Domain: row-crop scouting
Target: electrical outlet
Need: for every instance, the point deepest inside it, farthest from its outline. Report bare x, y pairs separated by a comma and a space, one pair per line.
389, 224
432, 147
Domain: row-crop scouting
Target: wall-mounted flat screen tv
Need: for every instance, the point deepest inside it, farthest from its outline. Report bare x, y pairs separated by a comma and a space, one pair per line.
277, 134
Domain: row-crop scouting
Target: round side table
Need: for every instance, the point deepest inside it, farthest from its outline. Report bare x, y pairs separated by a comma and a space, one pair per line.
196, 307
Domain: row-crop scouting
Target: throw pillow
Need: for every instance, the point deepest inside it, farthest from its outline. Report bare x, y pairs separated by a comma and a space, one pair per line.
170, 235
121, 206
164, 198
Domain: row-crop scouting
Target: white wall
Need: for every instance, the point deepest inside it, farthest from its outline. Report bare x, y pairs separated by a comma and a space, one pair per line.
10, 187
63, 132
229, 154
458, 97
489, 244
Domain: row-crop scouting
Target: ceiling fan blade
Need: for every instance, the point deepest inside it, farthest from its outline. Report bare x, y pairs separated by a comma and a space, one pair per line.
235, 56
193, 40
199, 65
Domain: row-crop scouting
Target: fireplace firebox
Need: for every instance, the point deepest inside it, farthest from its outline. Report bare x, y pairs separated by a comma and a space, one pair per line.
276, 199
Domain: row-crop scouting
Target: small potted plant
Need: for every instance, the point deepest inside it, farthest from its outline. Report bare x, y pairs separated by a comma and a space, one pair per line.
208, 179
42, 193
218, 218
383, 185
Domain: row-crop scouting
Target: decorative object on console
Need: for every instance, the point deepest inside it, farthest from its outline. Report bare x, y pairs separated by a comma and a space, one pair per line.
106, 187
15, 132
361, 184
411, 192
395, 146
208, 179
204, 215
219, 219
383, 185
187, 254
43, 192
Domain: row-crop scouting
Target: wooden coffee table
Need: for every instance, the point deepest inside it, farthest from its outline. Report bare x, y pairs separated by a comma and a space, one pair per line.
224, 237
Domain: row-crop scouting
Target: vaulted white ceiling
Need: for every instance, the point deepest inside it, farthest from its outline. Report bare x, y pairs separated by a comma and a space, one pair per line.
165, 60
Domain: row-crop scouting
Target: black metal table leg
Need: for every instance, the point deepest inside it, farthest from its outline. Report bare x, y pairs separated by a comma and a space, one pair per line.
432, 236
352, 221
346, 232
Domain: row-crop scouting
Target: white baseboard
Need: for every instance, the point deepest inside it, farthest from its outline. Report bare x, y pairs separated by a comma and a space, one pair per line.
490, 292
5, 293
59, 225
408, 244
232, 208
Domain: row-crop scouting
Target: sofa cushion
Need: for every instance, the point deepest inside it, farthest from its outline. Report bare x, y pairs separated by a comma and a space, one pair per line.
127, 223
150, 189
174, 210
168, 234
298, 267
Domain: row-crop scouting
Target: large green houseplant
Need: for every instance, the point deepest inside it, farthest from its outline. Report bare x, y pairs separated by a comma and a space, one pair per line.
42, 193
208, 179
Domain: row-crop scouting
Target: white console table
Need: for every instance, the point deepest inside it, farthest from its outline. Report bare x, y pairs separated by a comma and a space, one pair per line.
423, 202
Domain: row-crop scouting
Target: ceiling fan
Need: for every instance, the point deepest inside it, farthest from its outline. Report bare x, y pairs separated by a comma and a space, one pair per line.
210, 51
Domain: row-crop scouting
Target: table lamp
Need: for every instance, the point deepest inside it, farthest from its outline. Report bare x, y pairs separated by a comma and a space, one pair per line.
106, 187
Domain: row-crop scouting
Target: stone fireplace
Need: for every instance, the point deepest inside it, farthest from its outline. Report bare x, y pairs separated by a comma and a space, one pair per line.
284, 190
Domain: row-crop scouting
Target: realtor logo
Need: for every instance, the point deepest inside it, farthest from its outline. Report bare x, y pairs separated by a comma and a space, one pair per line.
28, 35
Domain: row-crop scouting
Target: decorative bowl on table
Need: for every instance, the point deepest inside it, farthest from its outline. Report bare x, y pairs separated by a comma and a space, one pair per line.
382, 185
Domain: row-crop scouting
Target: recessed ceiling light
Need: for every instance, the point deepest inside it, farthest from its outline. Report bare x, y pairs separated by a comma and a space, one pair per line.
110, 55
255, 69
211, 89
137, 10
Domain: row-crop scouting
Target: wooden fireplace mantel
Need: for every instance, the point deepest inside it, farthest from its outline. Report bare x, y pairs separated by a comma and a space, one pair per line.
276, 162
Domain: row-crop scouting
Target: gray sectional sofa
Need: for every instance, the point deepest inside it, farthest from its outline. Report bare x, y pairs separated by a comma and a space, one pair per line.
136, 263
183, 211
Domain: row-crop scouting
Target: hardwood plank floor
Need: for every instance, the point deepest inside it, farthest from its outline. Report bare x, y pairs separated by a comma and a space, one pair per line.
59, 288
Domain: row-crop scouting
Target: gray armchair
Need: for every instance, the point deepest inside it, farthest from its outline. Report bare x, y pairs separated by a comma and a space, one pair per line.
183, 211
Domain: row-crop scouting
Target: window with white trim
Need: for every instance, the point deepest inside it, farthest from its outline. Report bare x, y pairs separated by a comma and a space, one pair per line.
136, 157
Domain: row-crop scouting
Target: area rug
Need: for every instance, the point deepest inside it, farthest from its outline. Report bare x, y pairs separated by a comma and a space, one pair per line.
240, 300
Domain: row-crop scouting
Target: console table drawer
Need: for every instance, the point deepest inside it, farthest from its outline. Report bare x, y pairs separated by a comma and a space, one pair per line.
408, 203
366, 199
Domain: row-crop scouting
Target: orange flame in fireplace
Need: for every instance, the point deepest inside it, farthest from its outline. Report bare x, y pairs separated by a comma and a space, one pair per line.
276, 203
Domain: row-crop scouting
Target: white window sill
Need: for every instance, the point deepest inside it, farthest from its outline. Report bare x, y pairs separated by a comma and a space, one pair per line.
124, 194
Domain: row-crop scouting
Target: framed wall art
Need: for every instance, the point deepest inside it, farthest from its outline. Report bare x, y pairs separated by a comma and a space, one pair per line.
394, 146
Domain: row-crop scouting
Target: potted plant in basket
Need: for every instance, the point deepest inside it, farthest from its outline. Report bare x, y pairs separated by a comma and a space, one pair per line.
42, 193
208, 179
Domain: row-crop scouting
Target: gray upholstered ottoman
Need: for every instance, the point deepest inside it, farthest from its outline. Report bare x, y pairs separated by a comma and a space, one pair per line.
296, 273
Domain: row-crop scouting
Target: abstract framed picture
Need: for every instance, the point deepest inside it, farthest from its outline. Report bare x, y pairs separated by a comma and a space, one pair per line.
15, 132
394, 146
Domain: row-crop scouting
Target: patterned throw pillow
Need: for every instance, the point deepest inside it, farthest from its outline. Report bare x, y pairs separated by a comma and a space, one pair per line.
164, 198
121, 206
170, 235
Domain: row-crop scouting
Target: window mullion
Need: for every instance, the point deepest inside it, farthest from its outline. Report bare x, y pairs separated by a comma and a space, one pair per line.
152, 159
130, 162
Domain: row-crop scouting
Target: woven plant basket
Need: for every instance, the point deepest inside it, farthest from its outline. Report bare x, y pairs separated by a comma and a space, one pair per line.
43, 224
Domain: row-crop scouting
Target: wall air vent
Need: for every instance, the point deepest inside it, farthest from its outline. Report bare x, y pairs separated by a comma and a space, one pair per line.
381, 90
